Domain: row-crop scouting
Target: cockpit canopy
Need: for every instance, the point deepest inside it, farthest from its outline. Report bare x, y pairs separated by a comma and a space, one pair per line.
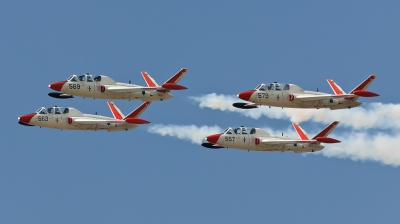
53, 110
273, 86
239, 130
58, 110
84, 78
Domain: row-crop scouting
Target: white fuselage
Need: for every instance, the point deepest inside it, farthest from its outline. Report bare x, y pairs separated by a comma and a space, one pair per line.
254, 142
66, 121
99, 89
287, 98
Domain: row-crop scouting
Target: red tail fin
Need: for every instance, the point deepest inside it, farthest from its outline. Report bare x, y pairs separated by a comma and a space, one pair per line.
149, 80
364, 85
175, 79
138, 111
335, 87
115, 111
302, 134
327, 130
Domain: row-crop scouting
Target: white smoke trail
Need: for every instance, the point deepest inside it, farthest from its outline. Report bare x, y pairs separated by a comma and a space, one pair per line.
369, 115
357, 146
190, 133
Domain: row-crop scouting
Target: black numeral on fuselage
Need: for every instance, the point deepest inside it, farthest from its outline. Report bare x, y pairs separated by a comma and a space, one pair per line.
74, 86
262, 95
43, 118
229, 139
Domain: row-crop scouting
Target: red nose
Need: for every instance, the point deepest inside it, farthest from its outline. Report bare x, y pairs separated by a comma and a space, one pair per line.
57, 85
213, 138
26, 118
245, 95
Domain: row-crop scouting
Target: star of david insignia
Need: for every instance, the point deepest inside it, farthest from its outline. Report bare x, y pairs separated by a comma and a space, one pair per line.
108, 124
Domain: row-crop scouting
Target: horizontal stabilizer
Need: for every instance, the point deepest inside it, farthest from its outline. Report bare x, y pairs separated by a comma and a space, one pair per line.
245, 105
327, 140
365, 93
136, 121
173, 86
60, 95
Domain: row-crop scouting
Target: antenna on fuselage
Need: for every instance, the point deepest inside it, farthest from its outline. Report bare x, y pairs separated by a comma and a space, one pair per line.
282, 134
129, 81
95, 113
317, 89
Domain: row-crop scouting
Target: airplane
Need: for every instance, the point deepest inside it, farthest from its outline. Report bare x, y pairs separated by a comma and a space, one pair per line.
256, 139
69, 118
292, 96
103, 87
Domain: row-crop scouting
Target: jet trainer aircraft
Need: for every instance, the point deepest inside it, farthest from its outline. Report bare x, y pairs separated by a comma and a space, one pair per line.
292, 96
256, 139
104, 87
69, 118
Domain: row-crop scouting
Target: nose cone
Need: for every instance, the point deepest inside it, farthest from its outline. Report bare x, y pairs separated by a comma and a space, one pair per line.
213, 138
245, 95
57, 85
26, 118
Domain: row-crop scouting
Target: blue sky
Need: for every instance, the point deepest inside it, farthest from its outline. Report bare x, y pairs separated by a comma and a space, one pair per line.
53, 176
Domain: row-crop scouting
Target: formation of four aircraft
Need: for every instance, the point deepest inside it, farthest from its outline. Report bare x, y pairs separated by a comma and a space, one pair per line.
274, 94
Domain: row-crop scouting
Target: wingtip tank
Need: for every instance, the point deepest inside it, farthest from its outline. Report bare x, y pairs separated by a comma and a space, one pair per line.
244, 106
211, 146
60, 95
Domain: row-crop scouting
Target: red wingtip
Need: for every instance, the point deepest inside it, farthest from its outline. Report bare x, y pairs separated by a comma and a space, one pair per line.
213, 138
245, 95
26, 118
57, 86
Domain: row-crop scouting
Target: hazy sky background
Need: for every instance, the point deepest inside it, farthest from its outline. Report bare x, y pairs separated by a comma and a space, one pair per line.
53, 176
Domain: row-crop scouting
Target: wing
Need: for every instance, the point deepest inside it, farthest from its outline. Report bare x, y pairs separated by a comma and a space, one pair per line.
285, 141
95, 121
129, 89
322, 97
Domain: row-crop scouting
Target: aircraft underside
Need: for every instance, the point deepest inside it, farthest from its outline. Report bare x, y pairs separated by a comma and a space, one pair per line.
281, 148
314, 105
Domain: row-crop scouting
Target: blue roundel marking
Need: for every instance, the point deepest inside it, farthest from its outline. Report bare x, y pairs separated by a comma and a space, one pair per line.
331, 101
295, 144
